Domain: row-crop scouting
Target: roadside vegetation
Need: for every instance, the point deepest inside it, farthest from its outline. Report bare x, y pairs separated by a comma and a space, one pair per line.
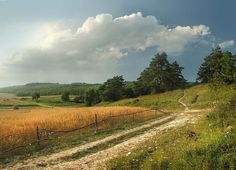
209, 144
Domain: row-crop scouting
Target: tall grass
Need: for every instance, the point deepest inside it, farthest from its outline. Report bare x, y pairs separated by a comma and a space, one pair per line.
24, 122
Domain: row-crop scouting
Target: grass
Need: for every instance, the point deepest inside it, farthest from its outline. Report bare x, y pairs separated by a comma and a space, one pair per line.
8, 101
196, 97
192, 147
208, 144
203, 96
165, 101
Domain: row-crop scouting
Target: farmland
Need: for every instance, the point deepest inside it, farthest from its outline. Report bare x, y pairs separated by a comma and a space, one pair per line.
25, 121
18, 127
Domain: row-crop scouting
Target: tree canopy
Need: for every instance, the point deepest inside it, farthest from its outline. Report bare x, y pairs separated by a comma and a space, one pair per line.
160, 76
91, 97
35, 96
65, 97
112, 89
218, 66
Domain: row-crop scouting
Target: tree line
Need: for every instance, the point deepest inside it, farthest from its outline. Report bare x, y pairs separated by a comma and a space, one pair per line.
160, 76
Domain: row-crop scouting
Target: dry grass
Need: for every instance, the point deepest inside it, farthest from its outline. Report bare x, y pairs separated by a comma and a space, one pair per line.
26, 121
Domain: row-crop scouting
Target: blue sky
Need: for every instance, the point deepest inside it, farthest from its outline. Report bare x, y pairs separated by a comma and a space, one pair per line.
56, 41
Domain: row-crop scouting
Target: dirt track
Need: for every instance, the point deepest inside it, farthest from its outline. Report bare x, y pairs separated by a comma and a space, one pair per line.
98, 159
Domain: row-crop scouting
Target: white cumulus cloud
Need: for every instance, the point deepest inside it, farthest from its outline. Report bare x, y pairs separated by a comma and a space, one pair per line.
60, 52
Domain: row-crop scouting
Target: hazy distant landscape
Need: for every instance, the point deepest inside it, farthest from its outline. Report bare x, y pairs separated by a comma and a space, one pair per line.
117, 85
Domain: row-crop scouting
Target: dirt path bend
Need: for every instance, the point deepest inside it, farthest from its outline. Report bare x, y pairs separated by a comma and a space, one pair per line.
182, 103
98, 159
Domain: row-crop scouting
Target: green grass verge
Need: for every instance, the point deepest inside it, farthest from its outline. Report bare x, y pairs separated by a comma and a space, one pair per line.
203, 96
165, 101
209, 144
197, 97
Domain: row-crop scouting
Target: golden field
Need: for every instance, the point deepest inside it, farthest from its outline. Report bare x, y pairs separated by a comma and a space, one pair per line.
25, 121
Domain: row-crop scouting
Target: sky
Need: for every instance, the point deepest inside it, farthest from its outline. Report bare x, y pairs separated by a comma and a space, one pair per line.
90, 41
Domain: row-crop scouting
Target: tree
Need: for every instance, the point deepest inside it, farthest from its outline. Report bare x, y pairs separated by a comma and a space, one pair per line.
65, 97
160, 76
128, 92
218, 66
91, 97
112, 89
79, 99
175, 79
35, 96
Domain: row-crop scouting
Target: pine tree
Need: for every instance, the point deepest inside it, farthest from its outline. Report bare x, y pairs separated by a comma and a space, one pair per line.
218, 66
160, 76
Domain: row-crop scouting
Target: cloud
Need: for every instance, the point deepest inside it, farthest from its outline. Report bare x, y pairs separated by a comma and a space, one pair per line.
60, 53
227, 44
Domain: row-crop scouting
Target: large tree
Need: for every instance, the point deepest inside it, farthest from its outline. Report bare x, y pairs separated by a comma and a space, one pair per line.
91, 97
160, 76
112, 89
65, 97
218, 65
35, 96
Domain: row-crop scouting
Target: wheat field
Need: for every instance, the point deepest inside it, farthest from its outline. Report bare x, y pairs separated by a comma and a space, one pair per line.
25, 121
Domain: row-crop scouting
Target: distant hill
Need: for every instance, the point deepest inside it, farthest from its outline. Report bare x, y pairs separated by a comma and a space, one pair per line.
47, 89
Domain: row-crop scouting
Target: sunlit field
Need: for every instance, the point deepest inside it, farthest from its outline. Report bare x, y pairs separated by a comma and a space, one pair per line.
24, 122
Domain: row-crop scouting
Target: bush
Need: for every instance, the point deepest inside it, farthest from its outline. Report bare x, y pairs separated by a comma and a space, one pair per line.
79, 99
128, 93
35, 96
194, 100
65, 97
224, 115
219, 155
16, 107
91, 97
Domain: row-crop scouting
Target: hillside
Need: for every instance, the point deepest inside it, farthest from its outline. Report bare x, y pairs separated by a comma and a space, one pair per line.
46, 89
198, 97
208, 143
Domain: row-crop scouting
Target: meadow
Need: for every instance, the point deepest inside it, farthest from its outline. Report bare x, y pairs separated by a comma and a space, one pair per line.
207, 144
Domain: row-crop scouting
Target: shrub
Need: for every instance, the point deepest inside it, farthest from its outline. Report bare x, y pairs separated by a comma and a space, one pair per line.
65, 97
194, 100
79, 99
16, 107
224, 115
